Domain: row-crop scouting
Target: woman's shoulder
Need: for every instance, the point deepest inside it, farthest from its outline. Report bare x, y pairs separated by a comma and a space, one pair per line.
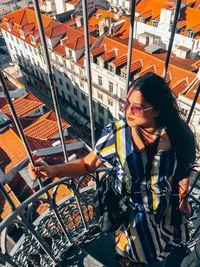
116, 125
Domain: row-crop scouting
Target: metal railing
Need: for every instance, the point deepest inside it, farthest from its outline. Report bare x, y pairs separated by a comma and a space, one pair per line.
31, 239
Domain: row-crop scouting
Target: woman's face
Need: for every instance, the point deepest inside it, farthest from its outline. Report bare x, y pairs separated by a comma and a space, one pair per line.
139, 112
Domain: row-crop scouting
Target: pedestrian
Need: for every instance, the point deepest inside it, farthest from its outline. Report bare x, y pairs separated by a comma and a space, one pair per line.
153, 152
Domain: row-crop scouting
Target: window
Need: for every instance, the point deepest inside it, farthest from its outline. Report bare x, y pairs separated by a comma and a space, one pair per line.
111, 68
110, 102
25, 45
10, 46
72, 66
155, 23
124, 74
101, 122
83, 96
65, 74
100, 82
75, 91
60, 81
100, 96
77, 104
15, 49
84, 110
67, 86
63, 95
123, 3
70, 99
70, 53
81, 83
101, 109
17, 40
110, 87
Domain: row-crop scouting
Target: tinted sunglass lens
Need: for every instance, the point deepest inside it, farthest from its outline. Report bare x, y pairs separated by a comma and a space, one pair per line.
136, 110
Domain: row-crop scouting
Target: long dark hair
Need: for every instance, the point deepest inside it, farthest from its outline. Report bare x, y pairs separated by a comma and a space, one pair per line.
156, 92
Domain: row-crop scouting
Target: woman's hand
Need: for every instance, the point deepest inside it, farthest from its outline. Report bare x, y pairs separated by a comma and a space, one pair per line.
41, 169
184, 207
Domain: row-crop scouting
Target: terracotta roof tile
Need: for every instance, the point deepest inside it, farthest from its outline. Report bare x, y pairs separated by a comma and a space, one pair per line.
135, 65
12, 151
120, 60
196, 28
60, 50
25, 105
196, 64
179, 86
147, 14
181, 24
109, 55
191, 93
55, 29
5, 208
192, 17
97, 51
45, 127
151, 68
3, 102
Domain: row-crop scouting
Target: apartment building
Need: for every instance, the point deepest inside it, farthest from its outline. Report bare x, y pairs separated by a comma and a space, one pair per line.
154, 21
66, 47
122, 6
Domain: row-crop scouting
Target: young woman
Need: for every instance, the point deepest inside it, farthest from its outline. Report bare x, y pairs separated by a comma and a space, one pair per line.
153, 151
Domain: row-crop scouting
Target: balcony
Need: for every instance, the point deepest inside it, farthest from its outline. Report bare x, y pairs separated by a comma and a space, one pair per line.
62, 233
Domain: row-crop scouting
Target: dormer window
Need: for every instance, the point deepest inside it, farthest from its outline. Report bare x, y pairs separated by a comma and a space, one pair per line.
70, 53
22, 34
33, 39
111, 68
155, 23
142, 19
9, 26
124, 74
191, 34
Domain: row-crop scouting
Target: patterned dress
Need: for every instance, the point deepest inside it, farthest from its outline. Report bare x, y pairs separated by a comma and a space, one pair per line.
154, 225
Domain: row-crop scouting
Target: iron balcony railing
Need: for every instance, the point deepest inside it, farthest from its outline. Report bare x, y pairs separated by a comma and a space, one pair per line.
45, 240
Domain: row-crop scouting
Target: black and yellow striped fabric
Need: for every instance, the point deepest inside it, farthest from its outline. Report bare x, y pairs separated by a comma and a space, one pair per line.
152, 230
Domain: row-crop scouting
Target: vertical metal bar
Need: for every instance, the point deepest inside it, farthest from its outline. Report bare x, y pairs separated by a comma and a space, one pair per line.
193, 104
7, 197
130, 43
88, 68
28, 150
15, 118
50, 76
178, 4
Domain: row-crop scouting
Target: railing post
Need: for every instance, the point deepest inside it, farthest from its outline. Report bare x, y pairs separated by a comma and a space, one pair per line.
130, 43
178, 4
50, 75
88, 68
28, 150
193, 104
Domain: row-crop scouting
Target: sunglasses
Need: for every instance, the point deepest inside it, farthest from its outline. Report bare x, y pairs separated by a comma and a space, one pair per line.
136, 110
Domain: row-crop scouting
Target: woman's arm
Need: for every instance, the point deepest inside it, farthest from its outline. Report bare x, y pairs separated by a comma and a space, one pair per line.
184, 206
74, 168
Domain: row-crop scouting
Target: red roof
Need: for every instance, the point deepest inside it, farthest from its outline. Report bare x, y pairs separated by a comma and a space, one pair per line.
25, 105
120, 61
97, 51
45, 127
5, 208
110, 55
179, 86
12, 150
